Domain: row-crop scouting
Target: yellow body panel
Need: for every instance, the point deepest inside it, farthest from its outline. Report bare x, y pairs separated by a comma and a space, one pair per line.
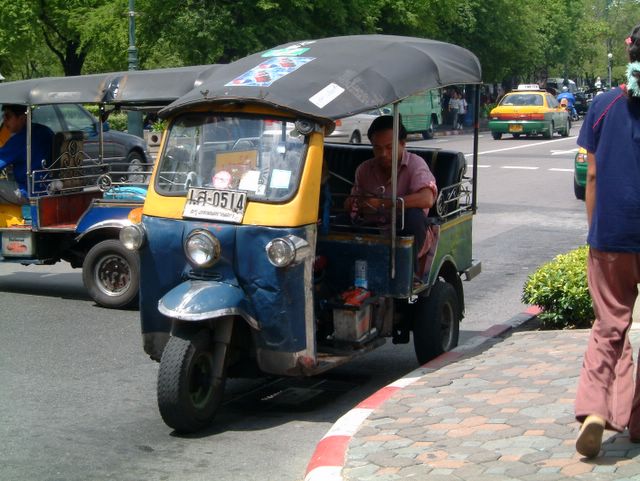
10, 215
300, 210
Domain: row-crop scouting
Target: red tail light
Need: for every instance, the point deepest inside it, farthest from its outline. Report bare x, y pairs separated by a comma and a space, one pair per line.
518, 116
338, 123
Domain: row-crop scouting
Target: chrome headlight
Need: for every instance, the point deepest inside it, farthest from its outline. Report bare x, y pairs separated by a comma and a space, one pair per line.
202, 248
284, 251
132, 236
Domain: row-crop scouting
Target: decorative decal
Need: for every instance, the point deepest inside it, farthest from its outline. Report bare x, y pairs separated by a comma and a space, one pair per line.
269, 71
291, 51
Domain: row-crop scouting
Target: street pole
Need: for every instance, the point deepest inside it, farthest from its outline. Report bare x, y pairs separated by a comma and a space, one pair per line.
609, 57
134, 118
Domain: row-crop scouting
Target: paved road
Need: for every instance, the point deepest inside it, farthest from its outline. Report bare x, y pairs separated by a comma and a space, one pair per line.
78, 394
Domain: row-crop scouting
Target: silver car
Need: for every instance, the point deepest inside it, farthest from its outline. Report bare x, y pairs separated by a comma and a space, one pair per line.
354, 129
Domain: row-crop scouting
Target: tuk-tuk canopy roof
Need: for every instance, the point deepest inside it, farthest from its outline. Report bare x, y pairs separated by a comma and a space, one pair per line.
335, 77
136, 87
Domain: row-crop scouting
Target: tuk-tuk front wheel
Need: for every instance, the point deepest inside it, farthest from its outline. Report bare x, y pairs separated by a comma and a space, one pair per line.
191, 381
436, 322
111, 274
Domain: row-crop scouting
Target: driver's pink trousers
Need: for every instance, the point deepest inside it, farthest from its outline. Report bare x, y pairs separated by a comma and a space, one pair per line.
606, 385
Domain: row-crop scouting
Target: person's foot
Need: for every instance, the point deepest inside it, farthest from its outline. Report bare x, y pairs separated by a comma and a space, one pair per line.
590, 436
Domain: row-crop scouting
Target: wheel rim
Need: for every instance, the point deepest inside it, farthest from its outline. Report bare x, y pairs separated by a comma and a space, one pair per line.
201, 385
446, 326
113, 275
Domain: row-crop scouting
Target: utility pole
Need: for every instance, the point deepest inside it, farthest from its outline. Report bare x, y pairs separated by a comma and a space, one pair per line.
134, 118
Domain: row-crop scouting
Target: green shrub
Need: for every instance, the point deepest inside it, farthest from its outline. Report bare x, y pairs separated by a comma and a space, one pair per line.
560, 289
117, 120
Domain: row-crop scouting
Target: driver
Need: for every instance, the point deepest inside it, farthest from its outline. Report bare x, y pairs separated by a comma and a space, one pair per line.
14, 152
416, 186
570, 99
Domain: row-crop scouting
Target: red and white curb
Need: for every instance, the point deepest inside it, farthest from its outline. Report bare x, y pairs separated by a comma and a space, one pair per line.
329, 456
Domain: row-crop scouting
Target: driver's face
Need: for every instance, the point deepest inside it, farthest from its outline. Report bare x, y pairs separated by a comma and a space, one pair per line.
382, 142
13, 122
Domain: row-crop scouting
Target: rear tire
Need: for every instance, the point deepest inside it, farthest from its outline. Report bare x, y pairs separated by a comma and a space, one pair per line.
355, 138
135, 168
428, 134
548, 133
436, 322
496, 135
567, 129
190, 384
111, 274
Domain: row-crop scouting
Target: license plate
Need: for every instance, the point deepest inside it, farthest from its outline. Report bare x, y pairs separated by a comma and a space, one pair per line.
516, 128
214, 204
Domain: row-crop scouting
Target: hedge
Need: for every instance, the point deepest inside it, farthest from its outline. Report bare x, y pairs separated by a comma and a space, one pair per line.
560, 289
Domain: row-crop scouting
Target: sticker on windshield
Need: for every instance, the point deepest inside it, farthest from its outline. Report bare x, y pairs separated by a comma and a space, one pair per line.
326, 95
269, 71
291, 51
280, 179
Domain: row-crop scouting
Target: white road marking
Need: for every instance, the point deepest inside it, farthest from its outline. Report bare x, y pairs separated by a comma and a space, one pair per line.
554, 169
524, 146
562, 152
522, 167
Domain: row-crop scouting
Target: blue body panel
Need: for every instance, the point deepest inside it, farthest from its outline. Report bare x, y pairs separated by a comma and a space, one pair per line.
104, 212
276, 296
195, 300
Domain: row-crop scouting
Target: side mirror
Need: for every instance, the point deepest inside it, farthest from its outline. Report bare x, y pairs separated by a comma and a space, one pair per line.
105, 126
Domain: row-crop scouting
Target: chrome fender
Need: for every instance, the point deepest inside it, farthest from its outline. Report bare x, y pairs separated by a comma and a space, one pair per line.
195, 300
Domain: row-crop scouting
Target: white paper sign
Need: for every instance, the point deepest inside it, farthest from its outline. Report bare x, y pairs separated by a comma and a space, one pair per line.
326, 95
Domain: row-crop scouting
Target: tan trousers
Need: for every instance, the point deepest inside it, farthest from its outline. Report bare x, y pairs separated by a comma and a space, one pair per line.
606, 385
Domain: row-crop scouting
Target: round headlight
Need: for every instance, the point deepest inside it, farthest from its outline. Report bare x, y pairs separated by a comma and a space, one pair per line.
281, 251
202, 248
132, 236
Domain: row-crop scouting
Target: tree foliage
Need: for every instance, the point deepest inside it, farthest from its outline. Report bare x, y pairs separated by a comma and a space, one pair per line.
525, 40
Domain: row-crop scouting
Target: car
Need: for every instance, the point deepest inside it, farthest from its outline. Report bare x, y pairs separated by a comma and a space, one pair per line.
529, 110
580, 174
117, 145
581, 104
354, 129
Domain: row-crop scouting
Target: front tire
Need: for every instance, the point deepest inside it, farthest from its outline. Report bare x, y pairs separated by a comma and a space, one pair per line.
191, 381
111, 274
355, 138
578, 190
436, 322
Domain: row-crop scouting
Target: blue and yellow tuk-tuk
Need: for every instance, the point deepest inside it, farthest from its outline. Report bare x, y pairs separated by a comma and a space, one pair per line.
246, 262
81, 193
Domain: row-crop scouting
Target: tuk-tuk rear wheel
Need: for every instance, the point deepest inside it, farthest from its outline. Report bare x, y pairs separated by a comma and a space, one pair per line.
190, 383
436, 322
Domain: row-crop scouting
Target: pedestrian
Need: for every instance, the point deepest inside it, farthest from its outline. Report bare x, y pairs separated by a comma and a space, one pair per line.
606, 397
454, 108
462, 111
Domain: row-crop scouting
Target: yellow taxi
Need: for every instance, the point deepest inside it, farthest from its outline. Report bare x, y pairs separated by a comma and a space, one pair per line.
529, 110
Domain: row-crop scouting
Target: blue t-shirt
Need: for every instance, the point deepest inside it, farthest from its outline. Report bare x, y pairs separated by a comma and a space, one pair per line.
611, 130
14, 152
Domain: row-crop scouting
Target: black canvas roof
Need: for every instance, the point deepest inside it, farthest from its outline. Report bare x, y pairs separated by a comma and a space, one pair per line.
141, 87
336, 77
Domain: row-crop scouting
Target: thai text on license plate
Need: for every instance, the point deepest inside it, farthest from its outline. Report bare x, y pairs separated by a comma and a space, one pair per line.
214, 204
516, 128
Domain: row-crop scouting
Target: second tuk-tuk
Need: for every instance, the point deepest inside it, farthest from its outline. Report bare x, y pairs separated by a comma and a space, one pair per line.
246, 263
80, 196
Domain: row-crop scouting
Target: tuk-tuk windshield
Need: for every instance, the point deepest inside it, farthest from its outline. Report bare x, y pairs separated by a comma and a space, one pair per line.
261, 156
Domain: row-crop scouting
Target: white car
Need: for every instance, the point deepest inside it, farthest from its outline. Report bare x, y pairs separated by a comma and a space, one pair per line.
354, 129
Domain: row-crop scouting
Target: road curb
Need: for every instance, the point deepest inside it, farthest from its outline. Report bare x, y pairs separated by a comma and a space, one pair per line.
329, 456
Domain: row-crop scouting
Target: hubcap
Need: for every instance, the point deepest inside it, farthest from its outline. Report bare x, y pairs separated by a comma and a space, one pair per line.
113, 275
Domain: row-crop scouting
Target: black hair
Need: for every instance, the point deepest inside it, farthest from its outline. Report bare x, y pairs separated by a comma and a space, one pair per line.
385, 122
16, 110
